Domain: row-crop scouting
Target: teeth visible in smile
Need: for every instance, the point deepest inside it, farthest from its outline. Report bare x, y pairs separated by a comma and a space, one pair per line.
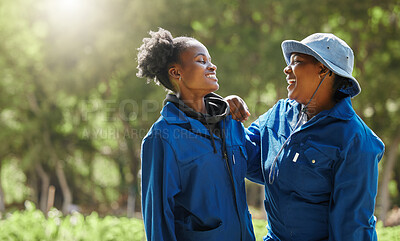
291, 81
213, 76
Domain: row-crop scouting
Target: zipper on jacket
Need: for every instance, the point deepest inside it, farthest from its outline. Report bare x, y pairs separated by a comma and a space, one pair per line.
225, 155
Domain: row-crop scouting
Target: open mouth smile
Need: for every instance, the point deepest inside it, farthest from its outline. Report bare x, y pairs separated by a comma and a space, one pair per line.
212, 76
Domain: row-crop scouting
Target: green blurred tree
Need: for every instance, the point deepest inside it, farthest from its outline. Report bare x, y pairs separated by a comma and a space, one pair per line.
70, 102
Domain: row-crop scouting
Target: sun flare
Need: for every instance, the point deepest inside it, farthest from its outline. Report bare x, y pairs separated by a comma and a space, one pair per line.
66, 10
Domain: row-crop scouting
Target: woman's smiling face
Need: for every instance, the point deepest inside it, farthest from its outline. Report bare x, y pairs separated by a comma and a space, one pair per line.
302, 76
197, 72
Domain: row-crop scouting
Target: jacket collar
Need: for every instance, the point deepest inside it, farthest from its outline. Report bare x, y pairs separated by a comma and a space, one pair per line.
173, 116
343, 110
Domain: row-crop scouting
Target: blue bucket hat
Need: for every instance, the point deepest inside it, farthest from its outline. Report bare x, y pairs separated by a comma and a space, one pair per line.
331, 51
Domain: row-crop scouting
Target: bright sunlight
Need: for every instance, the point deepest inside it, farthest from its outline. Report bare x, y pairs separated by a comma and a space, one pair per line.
69, 12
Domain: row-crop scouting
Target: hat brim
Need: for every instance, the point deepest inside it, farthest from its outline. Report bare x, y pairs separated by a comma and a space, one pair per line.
293, 46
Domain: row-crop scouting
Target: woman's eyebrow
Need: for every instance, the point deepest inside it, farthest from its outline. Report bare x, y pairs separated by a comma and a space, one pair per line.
202, 54
295, 55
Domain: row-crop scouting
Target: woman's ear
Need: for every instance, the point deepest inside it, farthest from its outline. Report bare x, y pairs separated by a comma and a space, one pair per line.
323, 69
174, 73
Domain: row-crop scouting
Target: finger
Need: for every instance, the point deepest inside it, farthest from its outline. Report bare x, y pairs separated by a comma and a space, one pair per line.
243, 110
238, 108
235, 110
247, 110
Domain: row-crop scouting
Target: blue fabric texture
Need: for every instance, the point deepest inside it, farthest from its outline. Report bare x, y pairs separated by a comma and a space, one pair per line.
188, 192
326, 179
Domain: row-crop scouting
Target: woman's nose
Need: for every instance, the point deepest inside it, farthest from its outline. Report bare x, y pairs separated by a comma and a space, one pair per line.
212, 66
287, 69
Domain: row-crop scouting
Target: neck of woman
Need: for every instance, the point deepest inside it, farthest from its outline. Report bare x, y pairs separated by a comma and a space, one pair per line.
315, 107
196, 102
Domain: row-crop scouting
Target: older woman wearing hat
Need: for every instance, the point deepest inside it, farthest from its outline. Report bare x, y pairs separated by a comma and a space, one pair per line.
319, 159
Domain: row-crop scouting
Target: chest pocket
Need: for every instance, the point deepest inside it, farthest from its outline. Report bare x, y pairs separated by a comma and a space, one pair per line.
317, 167
308, 171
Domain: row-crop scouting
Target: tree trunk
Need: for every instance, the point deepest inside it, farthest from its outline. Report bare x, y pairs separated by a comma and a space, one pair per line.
396, 177
66, 191
134, 185
131, 203
50, 199
391, 158
44, 191
32, 183
134, 166
44, 177
2, 201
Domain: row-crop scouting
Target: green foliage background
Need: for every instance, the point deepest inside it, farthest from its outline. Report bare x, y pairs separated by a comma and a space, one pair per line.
32, 225
73, 113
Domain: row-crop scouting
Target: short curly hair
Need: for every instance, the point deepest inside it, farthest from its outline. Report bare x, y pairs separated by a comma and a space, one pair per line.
156, 55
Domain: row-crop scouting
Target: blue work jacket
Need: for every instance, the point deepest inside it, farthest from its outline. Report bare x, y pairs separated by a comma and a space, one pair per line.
188, 192
325, 178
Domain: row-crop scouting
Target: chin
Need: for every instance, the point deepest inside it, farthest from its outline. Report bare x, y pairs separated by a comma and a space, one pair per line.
291, 96
216, 87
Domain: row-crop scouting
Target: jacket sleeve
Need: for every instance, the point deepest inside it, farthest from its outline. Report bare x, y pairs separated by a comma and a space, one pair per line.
253, 148
160, 183
352, 205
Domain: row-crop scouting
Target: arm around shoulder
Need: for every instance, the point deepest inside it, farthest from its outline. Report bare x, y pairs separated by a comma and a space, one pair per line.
253, 147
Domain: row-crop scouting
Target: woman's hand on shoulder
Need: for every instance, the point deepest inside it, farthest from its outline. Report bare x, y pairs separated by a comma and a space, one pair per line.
238, 108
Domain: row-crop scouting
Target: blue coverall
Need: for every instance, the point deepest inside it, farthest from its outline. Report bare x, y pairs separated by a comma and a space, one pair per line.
189, 192
325, 180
